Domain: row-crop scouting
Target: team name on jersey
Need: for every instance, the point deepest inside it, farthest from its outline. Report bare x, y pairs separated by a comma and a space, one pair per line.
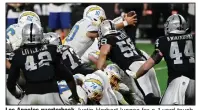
182, 37
33, 50
121, 36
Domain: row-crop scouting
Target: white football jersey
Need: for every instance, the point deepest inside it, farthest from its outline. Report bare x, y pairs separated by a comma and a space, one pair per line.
77, 38
14, 36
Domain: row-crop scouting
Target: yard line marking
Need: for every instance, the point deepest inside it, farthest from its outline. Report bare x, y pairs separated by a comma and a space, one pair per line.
161, 68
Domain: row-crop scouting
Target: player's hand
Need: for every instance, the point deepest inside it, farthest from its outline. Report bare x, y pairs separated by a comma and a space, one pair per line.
131, 73
132, 20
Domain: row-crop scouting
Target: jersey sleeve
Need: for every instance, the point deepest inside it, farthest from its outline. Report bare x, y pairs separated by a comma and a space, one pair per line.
14, 74
92, 28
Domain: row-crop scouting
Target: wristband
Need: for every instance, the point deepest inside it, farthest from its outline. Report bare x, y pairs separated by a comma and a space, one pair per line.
125, 23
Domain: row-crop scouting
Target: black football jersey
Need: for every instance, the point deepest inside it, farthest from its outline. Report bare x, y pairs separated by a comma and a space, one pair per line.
70, 59
39, 65
179, 54
123, 52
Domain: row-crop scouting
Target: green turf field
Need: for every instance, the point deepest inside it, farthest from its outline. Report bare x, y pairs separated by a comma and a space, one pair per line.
161, 69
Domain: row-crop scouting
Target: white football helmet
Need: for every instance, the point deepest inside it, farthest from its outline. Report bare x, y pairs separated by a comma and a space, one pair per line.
93, 89
114, 74
28, 17
95, 13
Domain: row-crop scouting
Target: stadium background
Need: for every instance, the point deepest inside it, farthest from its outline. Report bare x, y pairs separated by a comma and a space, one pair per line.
150, 21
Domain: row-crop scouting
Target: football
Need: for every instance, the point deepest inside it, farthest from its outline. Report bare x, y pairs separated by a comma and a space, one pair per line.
131, 13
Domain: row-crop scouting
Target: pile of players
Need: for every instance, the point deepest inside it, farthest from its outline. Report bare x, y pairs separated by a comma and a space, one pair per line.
42, 69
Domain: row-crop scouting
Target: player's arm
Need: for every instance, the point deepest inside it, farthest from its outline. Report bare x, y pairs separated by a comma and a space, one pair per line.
92, 34
67, 75
92, 31
93, 57
73, 62
13, 76
104, 51
155, 59
64, 71
8, 64
127, 21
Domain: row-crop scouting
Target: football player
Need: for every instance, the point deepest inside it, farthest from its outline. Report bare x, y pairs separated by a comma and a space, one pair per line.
84, 32
124, 95
73, 62
98, 89
177, 47
38, 63
13, 42
119, 48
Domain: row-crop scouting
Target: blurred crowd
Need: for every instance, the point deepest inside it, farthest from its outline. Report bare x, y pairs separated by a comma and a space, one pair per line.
60, 17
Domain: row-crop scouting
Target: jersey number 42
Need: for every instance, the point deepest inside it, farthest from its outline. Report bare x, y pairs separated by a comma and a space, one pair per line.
44, 58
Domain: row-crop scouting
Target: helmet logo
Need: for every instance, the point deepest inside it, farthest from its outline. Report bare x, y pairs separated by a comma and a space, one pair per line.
92, 9
28, 14
94, 80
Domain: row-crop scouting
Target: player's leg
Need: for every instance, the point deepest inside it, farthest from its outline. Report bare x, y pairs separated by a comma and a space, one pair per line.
51, 98
154, 82
129, 95
145, 84
175, 92
130, 82
190, 93
30, 99
10, 99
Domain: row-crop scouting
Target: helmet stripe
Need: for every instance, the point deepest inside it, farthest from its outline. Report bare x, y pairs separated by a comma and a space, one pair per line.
31, 26
111, 24
180, 21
